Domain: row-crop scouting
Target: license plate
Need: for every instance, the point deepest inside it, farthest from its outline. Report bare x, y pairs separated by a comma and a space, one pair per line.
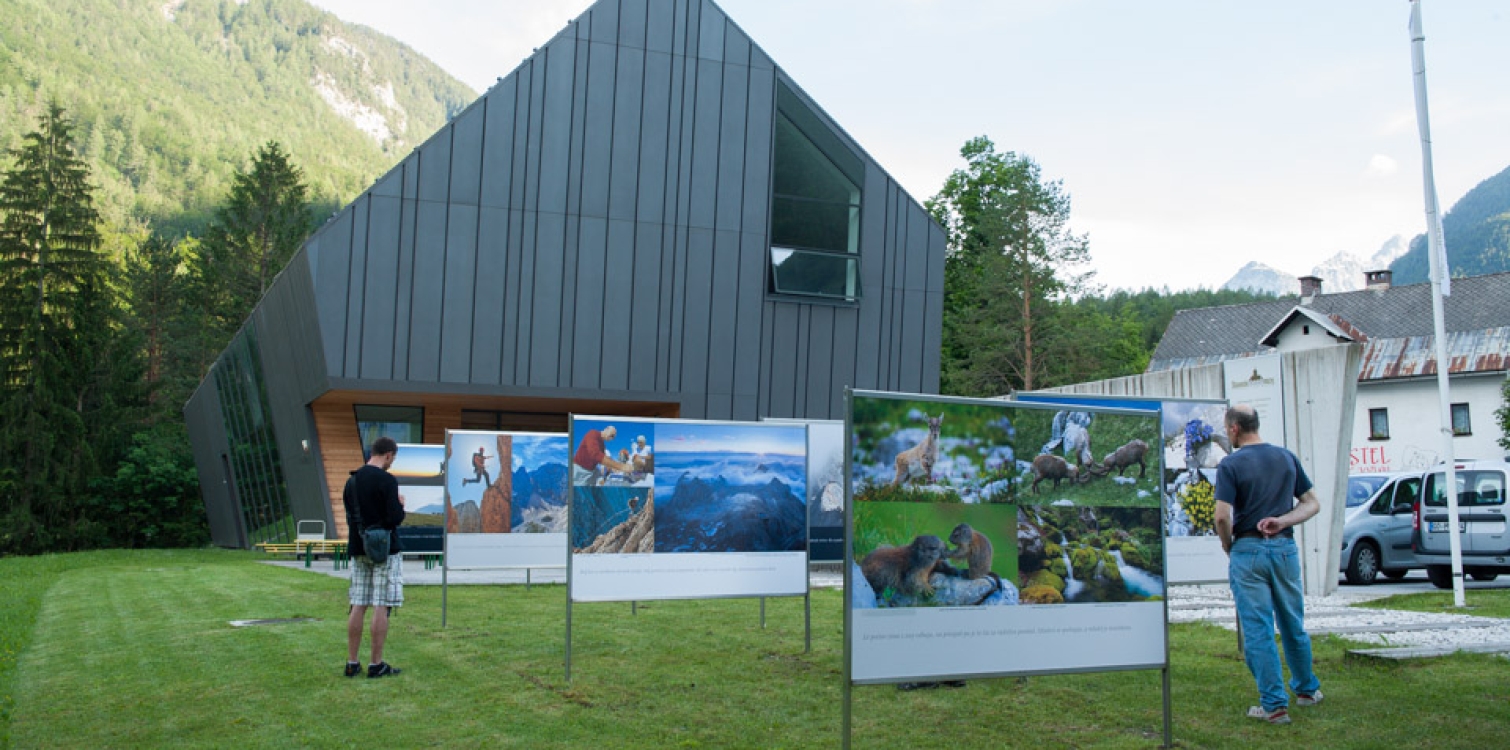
1440, 527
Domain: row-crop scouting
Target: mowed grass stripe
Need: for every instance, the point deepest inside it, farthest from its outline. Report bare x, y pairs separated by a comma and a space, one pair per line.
138, 654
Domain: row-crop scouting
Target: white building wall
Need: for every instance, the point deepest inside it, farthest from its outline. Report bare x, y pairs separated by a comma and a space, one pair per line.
1415, 438
1302, 334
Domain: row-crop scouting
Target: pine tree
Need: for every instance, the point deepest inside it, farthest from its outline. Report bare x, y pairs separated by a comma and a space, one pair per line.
56, 308
1011, 263
265, 219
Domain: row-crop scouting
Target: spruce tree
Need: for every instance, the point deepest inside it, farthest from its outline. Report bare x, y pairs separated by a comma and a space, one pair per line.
56, 307
264, 220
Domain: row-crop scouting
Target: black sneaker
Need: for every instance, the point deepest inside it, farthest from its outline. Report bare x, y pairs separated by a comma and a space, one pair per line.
382, 669
353, 668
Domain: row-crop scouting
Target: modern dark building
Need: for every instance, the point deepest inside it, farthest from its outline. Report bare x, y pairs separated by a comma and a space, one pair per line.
647, 217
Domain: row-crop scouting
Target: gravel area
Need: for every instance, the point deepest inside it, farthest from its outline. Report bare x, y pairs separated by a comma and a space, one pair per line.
1334, 614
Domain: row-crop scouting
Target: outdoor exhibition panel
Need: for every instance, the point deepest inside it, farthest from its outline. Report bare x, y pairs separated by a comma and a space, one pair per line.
684, 509
977, 550
505, 499
1194, 442
505, 502
1081, 589
825, 487
420, 472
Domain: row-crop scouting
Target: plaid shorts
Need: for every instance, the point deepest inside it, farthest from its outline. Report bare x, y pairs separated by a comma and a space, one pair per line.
377, 585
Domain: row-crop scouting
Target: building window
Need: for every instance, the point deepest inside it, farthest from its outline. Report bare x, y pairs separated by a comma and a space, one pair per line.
815, 206
405, 424
253, 463
1378, 424
1461, 424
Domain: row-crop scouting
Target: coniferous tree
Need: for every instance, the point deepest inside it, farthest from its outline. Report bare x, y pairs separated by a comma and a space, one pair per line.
157, 281
151, 496
1011, 263
263, 222
57, 310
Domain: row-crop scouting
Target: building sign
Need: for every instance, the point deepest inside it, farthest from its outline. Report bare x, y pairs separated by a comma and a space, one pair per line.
1257, 381
1369, 459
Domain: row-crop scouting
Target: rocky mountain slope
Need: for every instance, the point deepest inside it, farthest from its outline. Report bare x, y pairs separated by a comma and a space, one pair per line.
169, 97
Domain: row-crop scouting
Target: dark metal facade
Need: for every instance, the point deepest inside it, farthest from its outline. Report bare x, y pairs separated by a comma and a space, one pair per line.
596, 225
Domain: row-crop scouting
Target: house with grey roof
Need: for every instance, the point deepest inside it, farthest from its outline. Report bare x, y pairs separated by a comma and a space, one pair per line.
1397, 414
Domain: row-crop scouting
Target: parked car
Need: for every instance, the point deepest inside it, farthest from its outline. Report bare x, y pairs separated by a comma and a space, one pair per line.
1481, 522
1376, 535
1361, 487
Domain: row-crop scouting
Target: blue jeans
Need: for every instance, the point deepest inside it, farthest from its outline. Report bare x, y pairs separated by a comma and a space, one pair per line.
1265, 577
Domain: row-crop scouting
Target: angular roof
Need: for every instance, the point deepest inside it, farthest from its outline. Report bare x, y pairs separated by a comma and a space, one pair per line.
1396, 321
1334, 325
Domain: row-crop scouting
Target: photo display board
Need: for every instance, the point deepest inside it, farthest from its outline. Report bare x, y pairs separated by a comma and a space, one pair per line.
1194, 442
420, 471
505, 499
683, 509
988, 540
825, 487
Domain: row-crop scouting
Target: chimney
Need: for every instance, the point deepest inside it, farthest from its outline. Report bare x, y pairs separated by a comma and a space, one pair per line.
1310, 286
1377, 279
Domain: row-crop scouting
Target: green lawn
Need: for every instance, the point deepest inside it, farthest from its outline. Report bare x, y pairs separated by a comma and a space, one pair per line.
134, 649
1480, 603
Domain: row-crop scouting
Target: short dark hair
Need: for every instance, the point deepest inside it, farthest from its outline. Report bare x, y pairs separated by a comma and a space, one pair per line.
1245, 420
384, 445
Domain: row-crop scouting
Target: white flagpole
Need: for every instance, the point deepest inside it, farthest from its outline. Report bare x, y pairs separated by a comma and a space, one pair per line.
1441, 286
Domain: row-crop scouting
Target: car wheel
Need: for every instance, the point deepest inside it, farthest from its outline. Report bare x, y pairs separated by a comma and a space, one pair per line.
1440, 575
1484, 576
1364, 565
1395, 575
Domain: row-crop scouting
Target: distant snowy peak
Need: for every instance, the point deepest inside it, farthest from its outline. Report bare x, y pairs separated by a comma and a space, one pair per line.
1257, 277
1343, 272
1389, 252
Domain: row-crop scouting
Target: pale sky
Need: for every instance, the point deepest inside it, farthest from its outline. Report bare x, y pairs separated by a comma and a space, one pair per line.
1192, 136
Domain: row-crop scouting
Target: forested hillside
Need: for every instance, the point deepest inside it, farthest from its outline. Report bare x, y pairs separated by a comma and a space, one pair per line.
162, 160
1476, 230
169, 97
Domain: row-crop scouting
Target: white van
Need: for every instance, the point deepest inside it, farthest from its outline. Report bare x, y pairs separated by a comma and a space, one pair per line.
1482, 522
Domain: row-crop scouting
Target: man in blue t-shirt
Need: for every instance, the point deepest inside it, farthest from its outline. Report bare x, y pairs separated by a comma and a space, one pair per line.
1256, 491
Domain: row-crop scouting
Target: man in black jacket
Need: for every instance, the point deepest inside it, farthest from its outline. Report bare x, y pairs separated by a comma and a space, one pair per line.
372, 501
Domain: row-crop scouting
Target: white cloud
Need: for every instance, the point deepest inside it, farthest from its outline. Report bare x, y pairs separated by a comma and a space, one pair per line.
1380, 165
